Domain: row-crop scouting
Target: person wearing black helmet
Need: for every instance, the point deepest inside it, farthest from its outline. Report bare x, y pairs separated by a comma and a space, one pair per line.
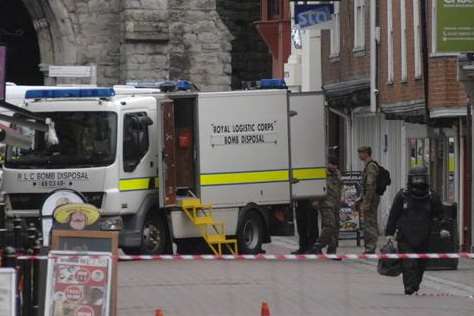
411, 218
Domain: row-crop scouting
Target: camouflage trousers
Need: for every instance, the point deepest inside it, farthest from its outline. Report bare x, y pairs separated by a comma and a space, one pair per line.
330, 229
371, 230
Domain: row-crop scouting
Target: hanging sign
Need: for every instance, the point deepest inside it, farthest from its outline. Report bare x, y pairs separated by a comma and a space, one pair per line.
312, 14
79, 284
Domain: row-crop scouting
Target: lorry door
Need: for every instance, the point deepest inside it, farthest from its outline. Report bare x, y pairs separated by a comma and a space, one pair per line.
138, 172
168, 150
308, 144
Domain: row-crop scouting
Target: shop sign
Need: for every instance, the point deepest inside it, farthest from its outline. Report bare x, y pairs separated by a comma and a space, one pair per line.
455, 26
312, 14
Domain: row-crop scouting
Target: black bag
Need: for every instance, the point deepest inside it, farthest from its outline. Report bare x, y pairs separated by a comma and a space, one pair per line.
383, 180
389, 267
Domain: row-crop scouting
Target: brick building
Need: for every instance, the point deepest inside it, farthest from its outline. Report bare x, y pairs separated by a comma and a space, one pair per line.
398, 130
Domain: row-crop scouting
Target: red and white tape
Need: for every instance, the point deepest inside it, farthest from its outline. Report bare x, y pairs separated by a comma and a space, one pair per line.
265, 257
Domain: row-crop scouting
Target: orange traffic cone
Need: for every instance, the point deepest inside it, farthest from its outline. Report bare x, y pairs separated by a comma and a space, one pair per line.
265, 309
159, 312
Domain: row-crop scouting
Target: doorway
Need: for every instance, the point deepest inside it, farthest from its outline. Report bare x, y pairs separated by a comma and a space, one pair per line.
19, 35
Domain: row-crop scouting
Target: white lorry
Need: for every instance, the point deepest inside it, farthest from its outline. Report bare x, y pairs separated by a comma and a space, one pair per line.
224, 167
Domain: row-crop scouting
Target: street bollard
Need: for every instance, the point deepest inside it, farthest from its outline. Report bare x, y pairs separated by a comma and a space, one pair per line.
36, 278
9, 256
17, 233
26, 289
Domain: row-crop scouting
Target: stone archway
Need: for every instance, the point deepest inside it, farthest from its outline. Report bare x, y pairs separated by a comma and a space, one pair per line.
18, 34
56, 40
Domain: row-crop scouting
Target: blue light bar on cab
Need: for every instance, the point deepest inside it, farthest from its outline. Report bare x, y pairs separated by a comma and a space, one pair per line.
272, 84
70, 93
183, 85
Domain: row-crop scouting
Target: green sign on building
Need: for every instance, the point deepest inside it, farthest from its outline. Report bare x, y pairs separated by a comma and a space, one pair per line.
455, 26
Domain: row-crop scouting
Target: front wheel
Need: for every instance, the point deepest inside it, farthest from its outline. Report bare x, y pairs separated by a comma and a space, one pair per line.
155, 237
250, 233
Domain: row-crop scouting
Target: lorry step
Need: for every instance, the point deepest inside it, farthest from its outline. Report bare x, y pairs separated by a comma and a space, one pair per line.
213, 232
204, 220
226, 242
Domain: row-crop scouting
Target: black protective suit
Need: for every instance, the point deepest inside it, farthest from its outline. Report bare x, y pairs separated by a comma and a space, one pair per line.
307, 225
411, 216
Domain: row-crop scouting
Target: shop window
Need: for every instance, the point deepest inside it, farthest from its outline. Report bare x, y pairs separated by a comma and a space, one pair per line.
135, 139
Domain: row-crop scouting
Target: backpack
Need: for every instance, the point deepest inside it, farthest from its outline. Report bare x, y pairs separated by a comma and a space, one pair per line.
383, 180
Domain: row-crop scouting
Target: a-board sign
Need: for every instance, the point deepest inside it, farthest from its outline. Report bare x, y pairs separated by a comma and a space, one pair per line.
349, 217
79, 284
7, 292
91, 241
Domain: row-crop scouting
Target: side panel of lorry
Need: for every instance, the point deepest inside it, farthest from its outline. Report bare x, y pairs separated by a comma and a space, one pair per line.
308, 144
243, 148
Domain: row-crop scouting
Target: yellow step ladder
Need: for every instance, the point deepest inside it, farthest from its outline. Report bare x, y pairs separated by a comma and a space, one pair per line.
213, 232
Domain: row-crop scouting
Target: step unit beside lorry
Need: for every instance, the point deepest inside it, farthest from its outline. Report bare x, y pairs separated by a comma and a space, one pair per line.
248, 154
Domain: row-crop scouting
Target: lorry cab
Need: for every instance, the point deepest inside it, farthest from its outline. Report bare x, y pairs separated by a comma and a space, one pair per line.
142, 156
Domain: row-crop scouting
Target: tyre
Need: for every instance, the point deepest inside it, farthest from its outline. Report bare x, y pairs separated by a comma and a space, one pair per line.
250, 233
155, 236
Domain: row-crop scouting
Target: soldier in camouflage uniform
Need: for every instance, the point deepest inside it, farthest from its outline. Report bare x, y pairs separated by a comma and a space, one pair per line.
369, 203
329, 208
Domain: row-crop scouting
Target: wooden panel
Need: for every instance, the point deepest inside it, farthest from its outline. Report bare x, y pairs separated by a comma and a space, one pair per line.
169, 152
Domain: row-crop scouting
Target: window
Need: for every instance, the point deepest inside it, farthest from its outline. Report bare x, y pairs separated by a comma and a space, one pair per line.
336, 32
135, 139
389, 41
417, 38
274, 9
86, 139
359, 24
403, 39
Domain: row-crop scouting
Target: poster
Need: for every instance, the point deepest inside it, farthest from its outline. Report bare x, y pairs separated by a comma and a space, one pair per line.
351, 192
78, 284
7, 292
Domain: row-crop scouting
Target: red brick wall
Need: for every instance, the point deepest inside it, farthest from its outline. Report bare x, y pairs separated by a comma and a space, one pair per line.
444, 89
348, 65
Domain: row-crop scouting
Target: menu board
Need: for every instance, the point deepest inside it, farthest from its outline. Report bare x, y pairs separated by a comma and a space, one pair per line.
78, 284
7, 292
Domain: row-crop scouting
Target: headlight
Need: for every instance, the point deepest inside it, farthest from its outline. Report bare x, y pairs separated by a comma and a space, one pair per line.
112, 223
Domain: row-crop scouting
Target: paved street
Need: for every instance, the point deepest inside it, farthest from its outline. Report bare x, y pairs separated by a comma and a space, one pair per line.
290, 288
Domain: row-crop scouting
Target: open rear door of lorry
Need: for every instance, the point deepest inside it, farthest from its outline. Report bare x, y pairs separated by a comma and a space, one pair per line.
308, 144
168, 152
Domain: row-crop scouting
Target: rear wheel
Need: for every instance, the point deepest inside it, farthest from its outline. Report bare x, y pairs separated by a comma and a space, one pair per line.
250, 233
155, 237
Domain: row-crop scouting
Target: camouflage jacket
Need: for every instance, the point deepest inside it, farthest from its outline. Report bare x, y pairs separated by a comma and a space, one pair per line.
369, 184
334, 191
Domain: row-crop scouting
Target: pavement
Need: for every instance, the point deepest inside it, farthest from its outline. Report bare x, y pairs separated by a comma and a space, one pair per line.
220, 288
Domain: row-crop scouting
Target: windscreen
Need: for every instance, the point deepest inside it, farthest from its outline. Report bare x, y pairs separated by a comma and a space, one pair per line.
86, 139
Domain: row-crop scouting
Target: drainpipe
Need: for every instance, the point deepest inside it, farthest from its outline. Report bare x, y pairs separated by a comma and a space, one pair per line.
373, 56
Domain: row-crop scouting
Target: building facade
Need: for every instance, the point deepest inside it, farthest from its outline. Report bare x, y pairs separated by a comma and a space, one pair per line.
392, 79
212, 43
